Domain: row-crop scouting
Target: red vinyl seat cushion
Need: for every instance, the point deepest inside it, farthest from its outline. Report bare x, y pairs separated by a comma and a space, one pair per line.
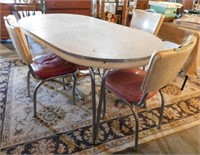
51, 65
127, 84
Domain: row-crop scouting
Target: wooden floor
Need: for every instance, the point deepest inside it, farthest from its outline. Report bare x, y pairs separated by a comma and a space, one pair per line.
186, 142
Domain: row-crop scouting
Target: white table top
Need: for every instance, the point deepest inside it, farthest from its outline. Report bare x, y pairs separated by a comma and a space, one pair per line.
92, 42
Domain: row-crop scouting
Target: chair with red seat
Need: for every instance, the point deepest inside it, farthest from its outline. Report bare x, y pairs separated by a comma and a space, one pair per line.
173, 35
134, 86
44, 67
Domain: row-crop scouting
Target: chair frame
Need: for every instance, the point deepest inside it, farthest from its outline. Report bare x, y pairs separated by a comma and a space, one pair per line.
31, 72
141, 103
41, 81
172, 33
153, 16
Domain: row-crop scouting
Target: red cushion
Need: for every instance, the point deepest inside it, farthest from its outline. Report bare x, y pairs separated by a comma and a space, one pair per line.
127, 84
51, 65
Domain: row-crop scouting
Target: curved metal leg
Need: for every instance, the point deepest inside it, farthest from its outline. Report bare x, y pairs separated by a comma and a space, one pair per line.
102, 97
79, 94
99, 72
136, 118
104, 104
35, 96
28, 82
142, 100
92, 75
74, 87
161, 109
74, 77
186, 78
63, 82
105, 73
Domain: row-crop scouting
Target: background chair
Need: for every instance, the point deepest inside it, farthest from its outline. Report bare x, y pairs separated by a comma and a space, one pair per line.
134, 86
174, 36
23, 9
43, 68
146, 21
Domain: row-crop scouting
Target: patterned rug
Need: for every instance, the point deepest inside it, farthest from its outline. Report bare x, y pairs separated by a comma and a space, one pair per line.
65, 128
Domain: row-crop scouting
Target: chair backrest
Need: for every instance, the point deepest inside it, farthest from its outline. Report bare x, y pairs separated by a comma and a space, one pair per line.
172, 33
165, 65
24, 9
146, 21
18, 39
192, 64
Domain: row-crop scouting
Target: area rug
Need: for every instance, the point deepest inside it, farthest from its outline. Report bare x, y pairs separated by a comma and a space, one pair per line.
64, 128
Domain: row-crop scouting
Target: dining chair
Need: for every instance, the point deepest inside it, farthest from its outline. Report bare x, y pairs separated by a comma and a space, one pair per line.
23, 9
190, 67
44, 67
174, 36
146, 21
134, 86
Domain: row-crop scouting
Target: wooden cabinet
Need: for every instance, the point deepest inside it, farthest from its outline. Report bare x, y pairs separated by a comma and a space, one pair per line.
83, 7
187, 4
142, 4
4, 11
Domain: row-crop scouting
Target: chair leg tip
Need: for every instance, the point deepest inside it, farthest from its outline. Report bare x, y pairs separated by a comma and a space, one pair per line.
181, 89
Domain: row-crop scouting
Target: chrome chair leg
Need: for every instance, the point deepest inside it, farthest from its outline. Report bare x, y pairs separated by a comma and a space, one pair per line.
136, 118
185, 80
99, 72
74, 79
74, 87
142, 101
104, 104
136, 123
81, 97
161, 109
63, 82
35, 96
28, 82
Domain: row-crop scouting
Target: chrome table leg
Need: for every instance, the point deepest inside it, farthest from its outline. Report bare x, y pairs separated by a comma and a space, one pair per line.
92, 75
